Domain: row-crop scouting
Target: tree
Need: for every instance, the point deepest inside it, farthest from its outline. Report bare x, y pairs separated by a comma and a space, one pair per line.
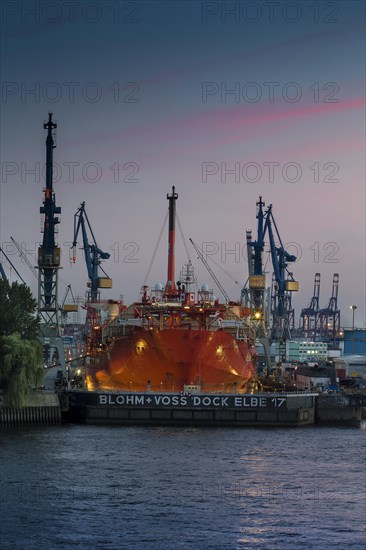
18, 310
20, 350
20, 367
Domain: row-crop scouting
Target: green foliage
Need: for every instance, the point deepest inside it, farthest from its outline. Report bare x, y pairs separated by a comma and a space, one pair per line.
17, 311
20, 367
20, 351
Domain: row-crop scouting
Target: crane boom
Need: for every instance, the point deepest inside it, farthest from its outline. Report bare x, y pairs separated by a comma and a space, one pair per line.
283, 283
93, 257
93, 254
23, 255
2, 272
205, 263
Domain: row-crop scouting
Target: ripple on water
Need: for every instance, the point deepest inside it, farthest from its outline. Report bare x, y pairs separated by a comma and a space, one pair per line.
110, 487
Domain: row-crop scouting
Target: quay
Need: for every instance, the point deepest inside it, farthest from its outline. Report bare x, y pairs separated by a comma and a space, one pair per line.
41, 408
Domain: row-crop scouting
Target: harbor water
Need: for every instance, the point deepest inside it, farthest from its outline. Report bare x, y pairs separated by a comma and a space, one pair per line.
183, 488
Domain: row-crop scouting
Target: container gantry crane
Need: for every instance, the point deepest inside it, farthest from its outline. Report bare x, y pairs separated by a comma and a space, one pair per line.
93, 257
310, 314
330, 316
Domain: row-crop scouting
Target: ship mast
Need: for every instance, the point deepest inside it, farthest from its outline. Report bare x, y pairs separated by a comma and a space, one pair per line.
170, 289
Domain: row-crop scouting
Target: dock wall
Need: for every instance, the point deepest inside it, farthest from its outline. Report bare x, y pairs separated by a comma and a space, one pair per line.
276, 410
196, 410
340, 409
40, 409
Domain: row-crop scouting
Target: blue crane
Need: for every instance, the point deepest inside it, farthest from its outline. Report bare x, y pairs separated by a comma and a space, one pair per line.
93, 255
284, 283
255, 266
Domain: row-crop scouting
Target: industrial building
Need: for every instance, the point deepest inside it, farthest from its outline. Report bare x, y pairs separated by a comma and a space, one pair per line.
354, 341
314, 378
352, 365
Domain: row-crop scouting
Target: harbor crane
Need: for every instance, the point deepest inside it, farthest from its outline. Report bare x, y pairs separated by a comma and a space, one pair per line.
278, 331
256, 274
310, 314
64, 308
49, 258
93, 257
49, 253
282, 286
330, 316
285, 284
255, 295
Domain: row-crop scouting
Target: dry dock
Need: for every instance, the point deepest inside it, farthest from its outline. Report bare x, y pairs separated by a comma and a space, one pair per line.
179, 409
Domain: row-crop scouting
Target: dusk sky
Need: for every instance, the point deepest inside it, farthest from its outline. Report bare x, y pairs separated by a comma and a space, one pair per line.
225, 100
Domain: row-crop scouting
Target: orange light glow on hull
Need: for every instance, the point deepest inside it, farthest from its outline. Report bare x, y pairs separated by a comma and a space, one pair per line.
168, 360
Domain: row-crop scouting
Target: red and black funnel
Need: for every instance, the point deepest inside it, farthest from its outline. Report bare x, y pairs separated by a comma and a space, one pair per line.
170, 287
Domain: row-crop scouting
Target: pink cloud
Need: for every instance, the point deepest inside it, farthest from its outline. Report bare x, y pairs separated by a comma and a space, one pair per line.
229, 124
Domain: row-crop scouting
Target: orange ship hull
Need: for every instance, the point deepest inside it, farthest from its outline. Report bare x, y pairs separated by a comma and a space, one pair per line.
168, 360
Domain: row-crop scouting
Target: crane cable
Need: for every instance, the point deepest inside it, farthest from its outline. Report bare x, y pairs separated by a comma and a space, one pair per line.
22, 252
222, 269
156, 249
183, 239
